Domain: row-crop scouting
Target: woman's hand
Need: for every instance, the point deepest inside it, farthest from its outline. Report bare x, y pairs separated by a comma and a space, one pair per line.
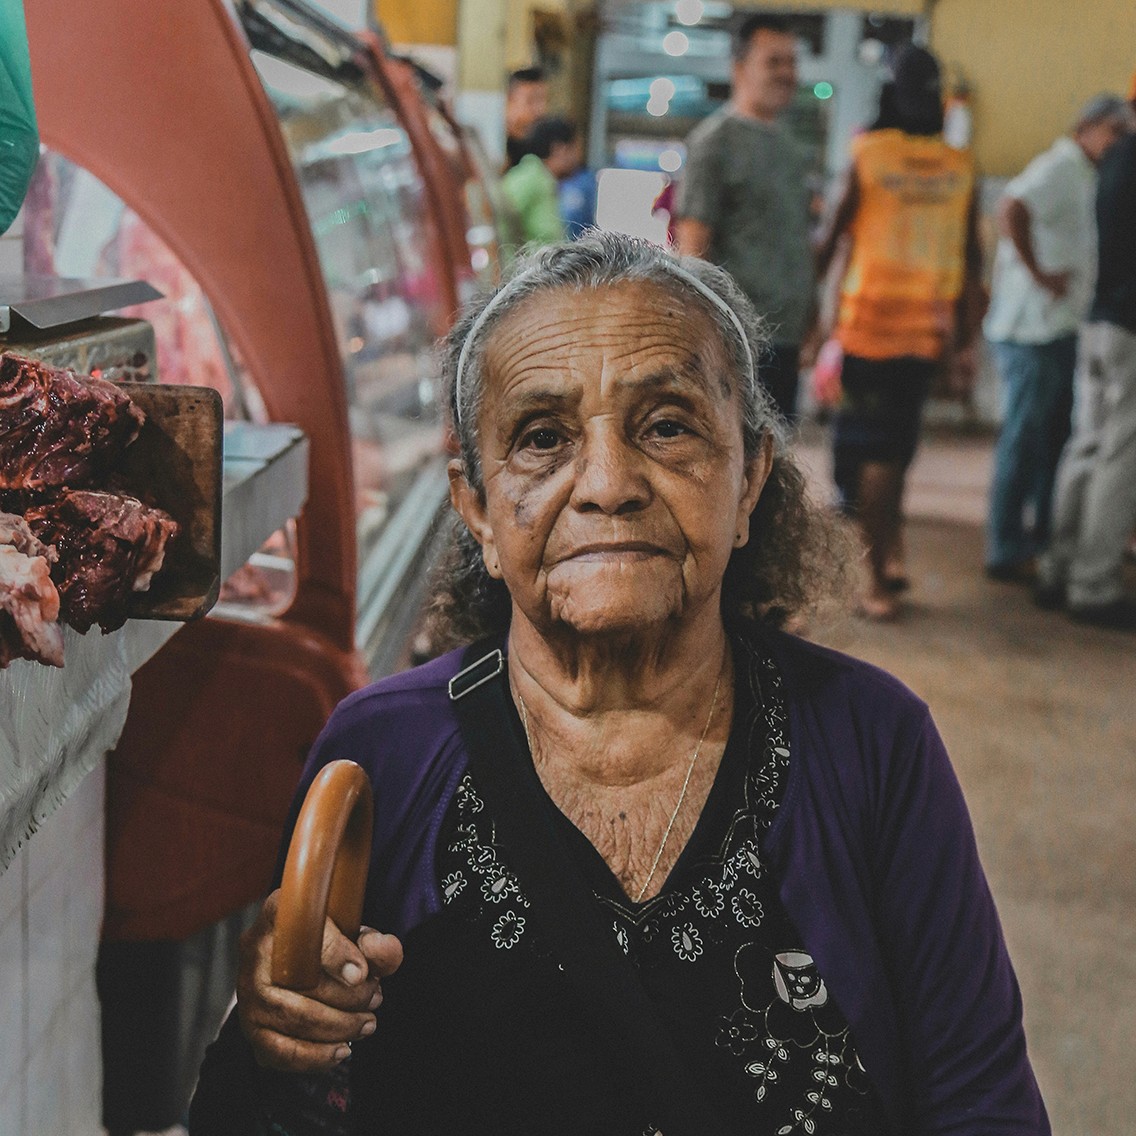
311, 1032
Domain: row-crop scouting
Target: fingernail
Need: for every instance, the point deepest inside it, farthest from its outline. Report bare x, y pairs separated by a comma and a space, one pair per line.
367, 1030
376, 1000
352, 973
342, 1053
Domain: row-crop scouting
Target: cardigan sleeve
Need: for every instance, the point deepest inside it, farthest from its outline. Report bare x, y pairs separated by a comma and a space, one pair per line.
957, 1000
234, 1096
402, 735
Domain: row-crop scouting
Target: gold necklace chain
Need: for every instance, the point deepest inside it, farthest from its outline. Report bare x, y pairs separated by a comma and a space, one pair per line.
685, 784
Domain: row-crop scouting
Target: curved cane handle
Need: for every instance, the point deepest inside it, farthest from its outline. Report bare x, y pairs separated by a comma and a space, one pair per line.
325, 872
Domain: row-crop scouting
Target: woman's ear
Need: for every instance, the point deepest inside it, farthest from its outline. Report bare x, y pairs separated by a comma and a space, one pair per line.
470, 505
756, 474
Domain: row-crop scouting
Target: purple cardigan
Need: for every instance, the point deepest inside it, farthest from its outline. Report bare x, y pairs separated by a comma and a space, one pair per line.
872, 845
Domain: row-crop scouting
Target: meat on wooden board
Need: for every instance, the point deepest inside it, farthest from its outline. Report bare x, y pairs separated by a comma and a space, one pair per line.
59, 429
108, 545
79, 550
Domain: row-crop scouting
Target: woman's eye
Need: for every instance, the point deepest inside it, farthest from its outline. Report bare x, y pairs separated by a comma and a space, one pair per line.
668, 428
543, 438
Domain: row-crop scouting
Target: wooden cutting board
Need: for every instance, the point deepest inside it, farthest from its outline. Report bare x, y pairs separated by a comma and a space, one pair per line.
176, 462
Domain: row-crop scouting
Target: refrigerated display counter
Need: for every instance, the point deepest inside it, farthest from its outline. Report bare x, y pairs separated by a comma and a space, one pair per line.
491, 222
260, 166
263, 169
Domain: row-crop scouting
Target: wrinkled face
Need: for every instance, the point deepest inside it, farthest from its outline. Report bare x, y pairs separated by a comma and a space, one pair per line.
765, 78
615, 480
524, 104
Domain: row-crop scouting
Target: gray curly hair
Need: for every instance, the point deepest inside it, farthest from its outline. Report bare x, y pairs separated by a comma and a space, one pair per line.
797, 554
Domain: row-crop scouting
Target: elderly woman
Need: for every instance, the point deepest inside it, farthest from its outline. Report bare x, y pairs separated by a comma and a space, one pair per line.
652, 864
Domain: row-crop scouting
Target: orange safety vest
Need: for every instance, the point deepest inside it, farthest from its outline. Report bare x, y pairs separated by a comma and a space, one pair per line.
908, 257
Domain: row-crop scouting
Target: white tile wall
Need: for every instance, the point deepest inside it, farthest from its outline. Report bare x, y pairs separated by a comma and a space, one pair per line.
12, 1104
11, 256
51, 899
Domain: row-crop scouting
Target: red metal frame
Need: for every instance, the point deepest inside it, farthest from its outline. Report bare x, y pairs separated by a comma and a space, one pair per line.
400, 84
172, 117
166, 109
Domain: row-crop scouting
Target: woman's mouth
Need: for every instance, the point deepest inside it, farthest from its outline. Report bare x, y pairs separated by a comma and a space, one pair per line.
616, 550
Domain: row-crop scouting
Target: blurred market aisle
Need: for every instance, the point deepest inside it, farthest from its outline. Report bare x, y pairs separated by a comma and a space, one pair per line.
1039, 716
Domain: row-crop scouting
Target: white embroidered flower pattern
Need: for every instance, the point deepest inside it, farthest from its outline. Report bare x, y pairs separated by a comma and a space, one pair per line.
747, 908
745, 863
687, 942
468, 800
507, 930
498, 885
708, 899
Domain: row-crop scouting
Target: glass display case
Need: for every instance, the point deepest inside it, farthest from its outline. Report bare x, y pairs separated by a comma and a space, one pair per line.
389, 287
378, 243
253, 168
490, 225
75, 226
373, 231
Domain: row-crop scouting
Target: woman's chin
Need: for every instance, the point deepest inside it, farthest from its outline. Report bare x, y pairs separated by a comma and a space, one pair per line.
631, 614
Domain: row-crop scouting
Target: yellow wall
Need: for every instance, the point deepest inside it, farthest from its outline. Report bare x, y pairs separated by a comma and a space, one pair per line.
494, 38
1032, 64
884, 7
481, 45
419, 21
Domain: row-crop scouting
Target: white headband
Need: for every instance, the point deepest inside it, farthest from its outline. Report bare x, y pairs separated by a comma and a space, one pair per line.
671, 266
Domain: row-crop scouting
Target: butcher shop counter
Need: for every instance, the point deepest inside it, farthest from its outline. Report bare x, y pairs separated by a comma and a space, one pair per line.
56, 726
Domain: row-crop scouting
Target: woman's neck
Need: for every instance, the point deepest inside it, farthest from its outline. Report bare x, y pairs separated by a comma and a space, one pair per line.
618, 710
591, 674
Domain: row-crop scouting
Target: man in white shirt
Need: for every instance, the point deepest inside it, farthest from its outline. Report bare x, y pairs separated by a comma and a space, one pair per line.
1044, 270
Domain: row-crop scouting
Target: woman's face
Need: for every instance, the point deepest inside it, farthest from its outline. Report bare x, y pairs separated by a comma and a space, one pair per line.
616, 484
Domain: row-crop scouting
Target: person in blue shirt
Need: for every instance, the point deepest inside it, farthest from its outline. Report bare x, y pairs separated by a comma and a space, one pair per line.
577, 195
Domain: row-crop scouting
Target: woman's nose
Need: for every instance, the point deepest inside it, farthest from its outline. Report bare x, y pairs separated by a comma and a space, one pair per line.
609, 474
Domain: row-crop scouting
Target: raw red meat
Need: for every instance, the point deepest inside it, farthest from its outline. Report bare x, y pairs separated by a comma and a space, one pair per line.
109, 545
29, 601
57, 429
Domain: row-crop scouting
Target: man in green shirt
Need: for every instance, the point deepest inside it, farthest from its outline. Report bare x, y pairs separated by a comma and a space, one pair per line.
744, 203
532, 184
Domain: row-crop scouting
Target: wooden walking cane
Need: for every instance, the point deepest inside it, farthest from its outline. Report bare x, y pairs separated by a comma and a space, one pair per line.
325, 873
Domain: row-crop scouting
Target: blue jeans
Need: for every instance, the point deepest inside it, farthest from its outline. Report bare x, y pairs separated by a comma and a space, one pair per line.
1037, 383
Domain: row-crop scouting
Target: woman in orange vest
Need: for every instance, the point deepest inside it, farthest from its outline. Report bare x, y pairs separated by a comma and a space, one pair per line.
908, 205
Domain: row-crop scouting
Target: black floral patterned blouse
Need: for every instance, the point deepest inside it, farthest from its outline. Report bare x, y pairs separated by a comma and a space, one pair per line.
509, 1052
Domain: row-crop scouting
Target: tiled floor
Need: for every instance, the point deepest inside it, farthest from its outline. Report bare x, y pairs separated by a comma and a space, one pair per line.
1039, 715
